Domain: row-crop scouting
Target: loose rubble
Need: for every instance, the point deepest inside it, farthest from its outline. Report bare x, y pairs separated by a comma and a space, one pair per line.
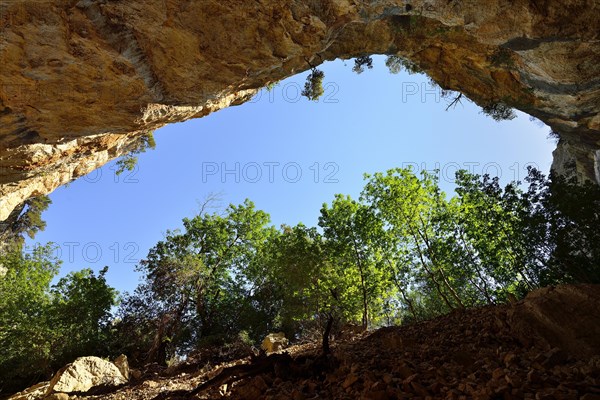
472, 354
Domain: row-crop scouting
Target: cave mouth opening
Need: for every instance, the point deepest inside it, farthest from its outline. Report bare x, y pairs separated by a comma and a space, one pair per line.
288, 155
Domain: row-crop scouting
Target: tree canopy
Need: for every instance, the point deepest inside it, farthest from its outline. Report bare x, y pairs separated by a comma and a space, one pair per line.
44, 326
402, 251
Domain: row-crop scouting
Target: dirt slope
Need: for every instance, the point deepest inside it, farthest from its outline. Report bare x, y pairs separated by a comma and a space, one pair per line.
481, 353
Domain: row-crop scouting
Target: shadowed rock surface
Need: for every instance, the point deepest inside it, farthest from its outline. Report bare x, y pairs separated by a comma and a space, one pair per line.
567, 317
474, 354
81, 81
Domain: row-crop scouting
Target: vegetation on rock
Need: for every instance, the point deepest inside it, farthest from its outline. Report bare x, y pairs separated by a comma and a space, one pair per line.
313, 87
499, 111
129, 161
361, 62
25, 220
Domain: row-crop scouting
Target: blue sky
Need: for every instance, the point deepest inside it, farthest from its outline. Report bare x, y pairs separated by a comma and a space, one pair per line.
286, 154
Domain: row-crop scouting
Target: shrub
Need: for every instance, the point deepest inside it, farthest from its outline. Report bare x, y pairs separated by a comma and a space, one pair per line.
313, 88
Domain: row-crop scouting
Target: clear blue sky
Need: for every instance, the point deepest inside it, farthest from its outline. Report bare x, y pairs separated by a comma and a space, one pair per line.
286, 154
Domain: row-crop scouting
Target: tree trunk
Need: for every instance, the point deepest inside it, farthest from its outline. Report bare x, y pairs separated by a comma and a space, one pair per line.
326, 333
402, 291
440, 269
433, 278
365, 316
484, 290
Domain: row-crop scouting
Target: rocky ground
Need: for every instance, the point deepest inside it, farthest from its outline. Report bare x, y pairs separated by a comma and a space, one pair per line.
474, 354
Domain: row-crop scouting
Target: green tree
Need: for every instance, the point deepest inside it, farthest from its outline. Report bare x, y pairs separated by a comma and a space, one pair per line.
25, 220
294, 260
360, 63
349, 229
395, 64
138, 321
499, 112
43, 327
198, 279
81, 311
25, 325
129, 161
561, 228
409, 207
313, 87
490, 229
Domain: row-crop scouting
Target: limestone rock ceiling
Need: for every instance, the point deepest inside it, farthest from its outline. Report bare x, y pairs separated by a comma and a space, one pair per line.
81, 81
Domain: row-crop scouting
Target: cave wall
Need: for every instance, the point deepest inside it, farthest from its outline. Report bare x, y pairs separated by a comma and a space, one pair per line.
81, 81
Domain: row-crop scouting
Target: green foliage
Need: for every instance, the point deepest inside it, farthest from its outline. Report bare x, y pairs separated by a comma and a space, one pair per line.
296, 263
81, 310
350, 229
42, 328
412, 209
487, 243
24, 220
499, 112
313, 87
361, 62
555, 136
129, 161
197, 282
136, 324
490, 225
272, 85
396, 63
402, 252
25, 331
30, 222
244, 337
562, 228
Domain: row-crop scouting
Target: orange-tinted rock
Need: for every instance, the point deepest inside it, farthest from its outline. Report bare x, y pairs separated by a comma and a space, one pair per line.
549, 314
81, 81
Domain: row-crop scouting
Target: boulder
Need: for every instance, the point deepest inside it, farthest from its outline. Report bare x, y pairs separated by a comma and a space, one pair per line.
274, 342
86, 373
564, 317
122, 363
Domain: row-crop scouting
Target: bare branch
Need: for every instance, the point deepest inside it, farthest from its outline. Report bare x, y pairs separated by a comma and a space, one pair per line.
455, 102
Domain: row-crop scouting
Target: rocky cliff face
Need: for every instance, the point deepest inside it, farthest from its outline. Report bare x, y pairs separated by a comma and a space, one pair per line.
81, 81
